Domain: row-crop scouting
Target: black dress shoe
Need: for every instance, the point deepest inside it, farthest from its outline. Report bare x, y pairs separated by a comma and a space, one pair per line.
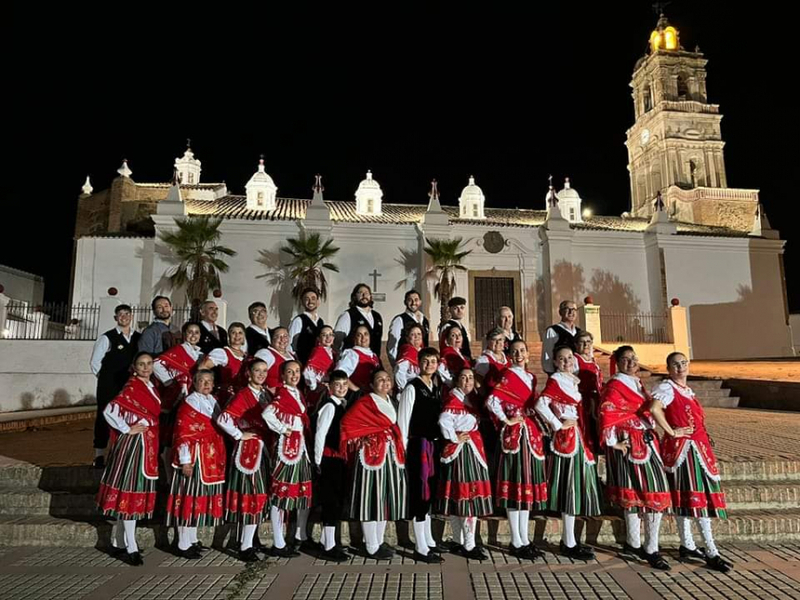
335, 554
99, 462
191, 553
529, 552
199, 546
262, 548
684, 552
134, 559
386, 547
250, 555
718, 564
477, 553
380, 554
440, 548
628, 550
311, 547
657, 561
576, 552
431, 558
286, 552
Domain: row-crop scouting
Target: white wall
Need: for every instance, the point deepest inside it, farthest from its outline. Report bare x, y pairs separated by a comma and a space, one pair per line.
23, 286
123, 263
45, 374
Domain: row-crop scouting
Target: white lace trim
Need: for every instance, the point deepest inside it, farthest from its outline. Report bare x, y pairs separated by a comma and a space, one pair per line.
390, 447
238, 458
282, 457
455, 454
682, 458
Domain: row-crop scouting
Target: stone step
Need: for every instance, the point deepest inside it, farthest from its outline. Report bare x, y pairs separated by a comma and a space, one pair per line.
728, 402
67, 477
740, 527
778, 471
33, 501
762, 495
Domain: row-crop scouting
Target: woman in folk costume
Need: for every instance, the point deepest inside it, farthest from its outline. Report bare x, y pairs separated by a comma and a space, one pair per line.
465, 492
521, 479
174, 369
317, 371
407, 365
488, 368
573, 487
196, 494
373, 442
247, 483
359, 362
231, 363
636, 481
689, 460
452, 360
128, 486
590, 386
287, 416
278, 353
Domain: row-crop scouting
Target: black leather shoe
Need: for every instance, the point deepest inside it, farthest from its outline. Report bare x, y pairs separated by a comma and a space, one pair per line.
200, 547
431, 558
387, 548
628, 550
380, 554
191, 553
286, 552
657, 561
439, 549
99, 462
576, 552
477, 553
311, 547
335, 554
250, 555
134, 559
718, 564
684, 552
529, 552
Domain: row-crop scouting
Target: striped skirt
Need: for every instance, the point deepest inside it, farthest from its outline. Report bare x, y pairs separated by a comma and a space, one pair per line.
637, 487
573, 485
521, 479
464, 486
125, 493
192, 503
247, 495
291, 485
378, 495
694, 493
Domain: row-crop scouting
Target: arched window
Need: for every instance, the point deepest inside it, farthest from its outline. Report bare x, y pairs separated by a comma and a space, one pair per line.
191, 177
370, 205
475, 210
683, 88
647, 97
260, 199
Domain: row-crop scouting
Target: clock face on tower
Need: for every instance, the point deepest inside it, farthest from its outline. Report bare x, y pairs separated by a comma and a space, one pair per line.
645, 136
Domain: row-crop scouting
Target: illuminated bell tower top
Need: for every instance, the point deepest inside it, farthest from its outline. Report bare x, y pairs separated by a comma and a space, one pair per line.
664, 36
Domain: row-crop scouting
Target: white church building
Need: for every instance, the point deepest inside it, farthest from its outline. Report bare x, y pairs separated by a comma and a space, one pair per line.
687, 235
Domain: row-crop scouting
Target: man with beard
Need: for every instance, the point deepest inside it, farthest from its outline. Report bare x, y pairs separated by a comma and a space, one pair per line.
160, 335
304, 328
412, 315
360, 313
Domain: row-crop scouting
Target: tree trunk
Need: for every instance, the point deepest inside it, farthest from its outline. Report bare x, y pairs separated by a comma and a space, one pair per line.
445, 293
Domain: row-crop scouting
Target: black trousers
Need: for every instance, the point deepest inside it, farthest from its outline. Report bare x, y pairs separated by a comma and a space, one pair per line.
333, 489
419, 507
107, 390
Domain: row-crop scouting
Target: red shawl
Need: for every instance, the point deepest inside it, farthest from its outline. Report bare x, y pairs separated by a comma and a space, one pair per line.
193, 427
366, 366
245, 410
454, 360
456, 406
518, 399
494, 374
565, 440
179, 361
624, 409
274, 373
685, 411
409, 353
320, 361
137, 399
364, 423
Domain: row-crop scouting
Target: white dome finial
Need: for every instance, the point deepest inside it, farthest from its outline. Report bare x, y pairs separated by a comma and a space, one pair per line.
87, 188
124, 170
566, 183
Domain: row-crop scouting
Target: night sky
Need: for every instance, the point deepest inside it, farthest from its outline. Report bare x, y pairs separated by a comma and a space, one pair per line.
508, 95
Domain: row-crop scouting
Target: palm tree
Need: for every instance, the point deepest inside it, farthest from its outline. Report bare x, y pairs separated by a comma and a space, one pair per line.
446, 257
309, 258
196, 245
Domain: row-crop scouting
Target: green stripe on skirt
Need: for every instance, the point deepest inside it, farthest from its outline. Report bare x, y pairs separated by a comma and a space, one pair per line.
573, 485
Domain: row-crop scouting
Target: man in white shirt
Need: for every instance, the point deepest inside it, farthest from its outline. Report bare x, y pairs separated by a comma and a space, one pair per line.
413, 314
305, 327
212, 336
257, 334
360, 313
563, 333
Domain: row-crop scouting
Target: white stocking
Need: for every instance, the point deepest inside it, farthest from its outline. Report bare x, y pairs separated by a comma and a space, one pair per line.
381, 531
513, 523
118, 534
633, 529
524, 520
455, 526
420, 543
248, 533
302, 524
276, 516
685, 532
184, 543
708, 538
328, 537
429, 532
470, 524
568, 530
652, 525
192, 534
370, 529
130, 536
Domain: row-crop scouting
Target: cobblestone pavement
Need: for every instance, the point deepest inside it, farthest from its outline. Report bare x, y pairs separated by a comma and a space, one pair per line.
762, 571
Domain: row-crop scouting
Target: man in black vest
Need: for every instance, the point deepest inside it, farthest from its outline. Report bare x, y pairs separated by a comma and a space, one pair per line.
560, 334
111, 361
331, 465
304, 328
360, 313
412, 315
211, 335
257, 334
505, 321
418, 419
458, 309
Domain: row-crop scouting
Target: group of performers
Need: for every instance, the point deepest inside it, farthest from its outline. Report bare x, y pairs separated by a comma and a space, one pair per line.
250, 434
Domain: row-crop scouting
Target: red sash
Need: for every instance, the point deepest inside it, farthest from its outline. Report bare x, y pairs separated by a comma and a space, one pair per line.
409, 353
623, 408
518, 399
246, 411
286, 408
454, 360
137, 399
179, 361
364, 423
456, 406
685, 411
362, 375
565, 440
193, 427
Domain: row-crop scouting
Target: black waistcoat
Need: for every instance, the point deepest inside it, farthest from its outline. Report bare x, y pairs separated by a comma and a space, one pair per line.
427, 408
307, 338
115, 367
408, 321
375, 332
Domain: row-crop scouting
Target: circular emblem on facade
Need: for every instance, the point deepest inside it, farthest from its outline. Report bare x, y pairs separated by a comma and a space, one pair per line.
493, 242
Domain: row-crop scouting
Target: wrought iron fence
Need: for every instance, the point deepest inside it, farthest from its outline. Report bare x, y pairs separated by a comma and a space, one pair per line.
636, 328
51, 321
